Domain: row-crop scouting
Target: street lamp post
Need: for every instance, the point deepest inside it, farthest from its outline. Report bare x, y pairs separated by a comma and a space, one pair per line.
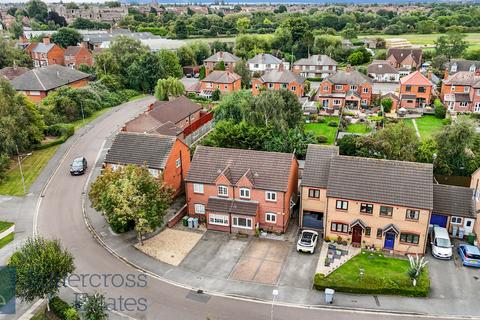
275, 294
21, 171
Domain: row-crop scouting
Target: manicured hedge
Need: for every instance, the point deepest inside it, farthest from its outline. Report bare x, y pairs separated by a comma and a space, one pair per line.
63, 310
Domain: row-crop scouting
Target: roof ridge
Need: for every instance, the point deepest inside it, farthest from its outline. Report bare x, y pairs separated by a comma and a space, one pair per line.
38, 78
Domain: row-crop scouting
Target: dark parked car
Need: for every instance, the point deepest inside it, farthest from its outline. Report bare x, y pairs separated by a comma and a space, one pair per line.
78, 166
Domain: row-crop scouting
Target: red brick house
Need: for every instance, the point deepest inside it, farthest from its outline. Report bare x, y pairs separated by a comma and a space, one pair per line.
45, 53
348, 88
225, 81
166, 158
228, 59
461, 92
405, 60
74, 56
279, 80
237, 191
415, 91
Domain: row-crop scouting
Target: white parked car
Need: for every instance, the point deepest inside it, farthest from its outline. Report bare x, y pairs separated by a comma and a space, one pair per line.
307, 241
441, 245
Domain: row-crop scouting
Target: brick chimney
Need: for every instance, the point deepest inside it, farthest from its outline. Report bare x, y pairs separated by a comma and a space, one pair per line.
348, 68
220, 54
46, 40
281, 67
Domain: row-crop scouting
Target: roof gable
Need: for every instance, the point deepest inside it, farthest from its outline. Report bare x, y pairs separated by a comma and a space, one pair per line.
416, 79
400, 54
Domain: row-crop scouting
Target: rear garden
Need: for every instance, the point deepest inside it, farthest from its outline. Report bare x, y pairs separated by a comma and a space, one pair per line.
373, 273
327, 127
427, 125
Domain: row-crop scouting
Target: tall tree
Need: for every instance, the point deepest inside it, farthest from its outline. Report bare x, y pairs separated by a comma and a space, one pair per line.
40, 265
186, 56
65, 37
241, 68
201, 50
170, 87
180, 29
451, 45
10, 55
131, 195
36, 9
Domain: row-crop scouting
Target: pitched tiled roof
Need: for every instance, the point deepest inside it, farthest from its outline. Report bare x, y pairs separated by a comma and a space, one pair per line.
415, 79
11, 73
401, 183
43, 48
400, 54
168, 129
352, 77
218, 76
174, 110
462, 78
222, 56
72, 50
47, 78
462, 65
151, 150
317, 165
462, 97
316, 60
381, 67
270, 170
216, 204
453, 200
265, 58
281, 76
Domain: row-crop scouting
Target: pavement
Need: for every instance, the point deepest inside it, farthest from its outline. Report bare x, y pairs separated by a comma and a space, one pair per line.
141, 287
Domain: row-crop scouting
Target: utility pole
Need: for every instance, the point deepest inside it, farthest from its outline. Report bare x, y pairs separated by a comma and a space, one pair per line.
21, 171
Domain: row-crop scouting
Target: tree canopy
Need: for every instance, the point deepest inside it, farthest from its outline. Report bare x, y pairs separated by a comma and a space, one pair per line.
66, 37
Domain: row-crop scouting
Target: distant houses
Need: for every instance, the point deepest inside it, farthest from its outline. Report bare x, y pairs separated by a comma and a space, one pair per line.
226, 58
280, 79
265, 62
315, 66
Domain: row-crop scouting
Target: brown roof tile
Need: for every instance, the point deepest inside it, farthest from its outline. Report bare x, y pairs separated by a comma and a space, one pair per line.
234, 206
174, 110
317, 165
453, 200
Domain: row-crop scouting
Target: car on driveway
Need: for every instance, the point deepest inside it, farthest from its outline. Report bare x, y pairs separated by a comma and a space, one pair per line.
470, 255
307, 241
78, 166
441, 245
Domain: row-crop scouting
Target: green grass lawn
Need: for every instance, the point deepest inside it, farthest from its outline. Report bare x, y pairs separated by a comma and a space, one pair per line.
427, 125
382, 275
359, 128
323, 129
4, 225
32, 166
6, 240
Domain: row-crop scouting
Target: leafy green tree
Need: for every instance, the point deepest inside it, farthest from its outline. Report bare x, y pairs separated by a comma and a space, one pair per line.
348, 145
220, 65
40, 266
233, 106
241, 68
94, 307
349, 33
216, 94
243, 24
180, 29
186, 56
36, 9
426, 26
17, 112
440, 110
201, 50
451, 45
131, 195
169, 64
387, 104
10, 54
170, 87
16, 29
202, 72
426, 151
57, 19
4, 165
65, 37
281, 9
472, 54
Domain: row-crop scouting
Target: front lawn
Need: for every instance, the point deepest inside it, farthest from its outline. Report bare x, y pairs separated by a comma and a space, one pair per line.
382, 275
323, 129
32, 166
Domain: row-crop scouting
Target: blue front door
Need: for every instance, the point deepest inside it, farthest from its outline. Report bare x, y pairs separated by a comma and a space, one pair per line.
389, 240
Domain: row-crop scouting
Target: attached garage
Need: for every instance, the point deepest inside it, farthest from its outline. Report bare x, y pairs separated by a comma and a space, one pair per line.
438, 219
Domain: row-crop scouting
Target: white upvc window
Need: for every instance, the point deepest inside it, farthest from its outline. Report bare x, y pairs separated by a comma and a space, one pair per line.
245, 193
116, 167
270, 196
199, 208
197, 188
353, 88
464, 104
271, 217
34, 93
336, 102
223, 191
153, 172
456, 220
338, 87
218, 219
452, 88
244, 223
365, 90
178, 162
293, 88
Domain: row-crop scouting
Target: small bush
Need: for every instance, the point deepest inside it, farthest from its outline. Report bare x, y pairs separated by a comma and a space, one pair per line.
320, 120
63, 310
60, 130
322, 139
447, 121
333, 124
440, 110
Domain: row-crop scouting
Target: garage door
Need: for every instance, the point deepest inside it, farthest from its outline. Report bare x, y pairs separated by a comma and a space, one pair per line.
313, 220
439, 220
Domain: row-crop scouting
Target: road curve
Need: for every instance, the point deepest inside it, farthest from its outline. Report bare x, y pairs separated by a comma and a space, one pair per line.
60, 216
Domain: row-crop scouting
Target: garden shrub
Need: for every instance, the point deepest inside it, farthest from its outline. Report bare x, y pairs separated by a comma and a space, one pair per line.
440, 110
63, 310
60, 129
322, 139
447, 121
320, 120
333, 124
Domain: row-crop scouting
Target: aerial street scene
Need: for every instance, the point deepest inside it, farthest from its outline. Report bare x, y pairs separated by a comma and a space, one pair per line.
239, 159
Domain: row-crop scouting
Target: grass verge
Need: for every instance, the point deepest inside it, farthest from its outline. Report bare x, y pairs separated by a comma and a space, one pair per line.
4, 225
6, 240
382, 275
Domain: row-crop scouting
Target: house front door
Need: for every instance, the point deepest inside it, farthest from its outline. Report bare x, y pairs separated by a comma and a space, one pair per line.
357, 235
389, 240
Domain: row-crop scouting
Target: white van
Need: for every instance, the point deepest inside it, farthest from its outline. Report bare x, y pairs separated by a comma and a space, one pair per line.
441, 245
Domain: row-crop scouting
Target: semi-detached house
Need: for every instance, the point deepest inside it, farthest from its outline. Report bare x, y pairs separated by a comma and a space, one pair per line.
461, 92
237, 191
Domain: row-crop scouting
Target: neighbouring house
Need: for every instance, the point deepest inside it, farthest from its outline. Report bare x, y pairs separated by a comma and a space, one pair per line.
316, 66
225, 81
264, 62
404, 60
415, 91
459, 65
240, 191
453, 208
37, 83
11, 73
382, 71
395, 100
74, 56
228, 59
369, 202
45, 53
460, 92
167, 158
280, 79
349, 88
181, 118
475, 185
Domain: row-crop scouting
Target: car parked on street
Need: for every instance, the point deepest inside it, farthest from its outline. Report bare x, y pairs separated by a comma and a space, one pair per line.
78, 166
470, 255
441, 245
307, 241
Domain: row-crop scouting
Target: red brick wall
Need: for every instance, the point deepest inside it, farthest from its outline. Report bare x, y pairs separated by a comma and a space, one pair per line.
172, 175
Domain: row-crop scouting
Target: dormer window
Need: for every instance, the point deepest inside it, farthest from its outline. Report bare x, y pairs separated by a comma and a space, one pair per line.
453, 68
244, 193
472, 68
222, 191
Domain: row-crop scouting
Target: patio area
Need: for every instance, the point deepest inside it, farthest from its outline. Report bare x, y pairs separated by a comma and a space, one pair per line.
333, 255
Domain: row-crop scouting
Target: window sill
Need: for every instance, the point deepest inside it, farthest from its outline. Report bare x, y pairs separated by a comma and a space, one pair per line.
411, 220
339, 232
409, 244
366, 213
387, 217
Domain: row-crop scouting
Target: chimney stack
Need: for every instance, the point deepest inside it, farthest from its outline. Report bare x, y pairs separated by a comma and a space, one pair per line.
46, 40
348, 68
